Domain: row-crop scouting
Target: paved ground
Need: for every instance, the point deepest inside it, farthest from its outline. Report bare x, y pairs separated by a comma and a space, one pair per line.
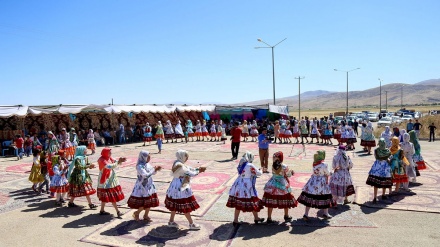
406, 220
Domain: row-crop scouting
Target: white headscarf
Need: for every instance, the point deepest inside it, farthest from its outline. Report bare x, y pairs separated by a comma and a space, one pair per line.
247, 157
182, 156
403, 132
406, 138
143, 157
387, 129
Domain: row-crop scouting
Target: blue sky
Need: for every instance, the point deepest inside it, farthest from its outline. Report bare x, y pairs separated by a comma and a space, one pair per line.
156, 52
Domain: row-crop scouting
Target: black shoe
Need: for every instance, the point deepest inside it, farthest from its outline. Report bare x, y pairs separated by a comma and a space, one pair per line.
58, 204
306, 218
375, 200
269, 221
260, 220
92, 206
287, 218
384, 197
71, 205
104, 213
236, 224
119, 214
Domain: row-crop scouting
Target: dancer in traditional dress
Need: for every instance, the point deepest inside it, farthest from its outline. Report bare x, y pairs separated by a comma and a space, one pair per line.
282, 131
408, 150
36, 177
296, 132
327, 136
244, 130
189, 129
351, 138
52, 144
367, 138
341, 183
148, 135
254, 131
204, 131
316, 193
344, 133
380, 173
73, 138
304, 131
169, 132
387, 135
276, 131
179, 196
213, 131
402, 132
338, 133
219, 130
178, 131
80, 183
198, 132
224, 137
59, 183
144, 194
91, 141
243, 195
159, 131
398, 164
277, 191
314, 133
418, 159
65, 143
288, 133
109, 189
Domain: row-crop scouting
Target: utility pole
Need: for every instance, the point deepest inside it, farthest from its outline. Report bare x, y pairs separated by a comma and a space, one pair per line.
299, 96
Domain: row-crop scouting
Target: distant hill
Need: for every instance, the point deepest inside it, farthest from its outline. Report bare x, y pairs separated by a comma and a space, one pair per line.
281, 101
429, 82
425, 92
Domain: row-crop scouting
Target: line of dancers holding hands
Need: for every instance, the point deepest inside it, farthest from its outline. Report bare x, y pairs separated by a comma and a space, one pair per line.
323, 190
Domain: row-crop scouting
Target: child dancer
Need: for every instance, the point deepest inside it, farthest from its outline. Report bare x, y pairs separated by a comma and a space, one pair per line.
408, 150
418, 159
91, 141
189, 129
341, 183
243, 196
80, 183
351, 138
148, 135
36, 177
245, 131
254, 131
380, 173
316, 193
219, 130
159, 144
179, 196
277, 191
398, 164
109, 189
44, 172
368, 140
59, 183
159, 132
144, 194
314, 133
204, 131
213, 132
198, 130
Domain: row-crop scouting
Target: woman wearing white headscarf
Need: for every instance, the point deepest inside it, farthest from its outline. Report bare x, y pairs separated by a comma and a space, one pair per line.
341, 183
178, 131
243, 196
408, 150
144, 194
179, 196
169, 133
368, 141
387, 135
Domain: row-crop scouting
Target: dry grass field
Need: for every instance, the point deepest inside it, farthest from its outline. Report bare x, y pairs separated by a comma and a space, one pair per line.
424, 132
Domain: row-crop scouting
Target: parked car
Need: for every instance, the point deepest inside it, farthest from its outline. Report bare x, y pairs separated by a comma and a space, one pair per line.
396, 119
407, 117
373, 117
385, 121
417, 115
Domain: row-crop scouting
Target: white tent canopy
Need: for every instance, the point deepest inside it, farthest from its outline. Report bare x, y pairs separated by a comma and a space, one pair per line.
22, 111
